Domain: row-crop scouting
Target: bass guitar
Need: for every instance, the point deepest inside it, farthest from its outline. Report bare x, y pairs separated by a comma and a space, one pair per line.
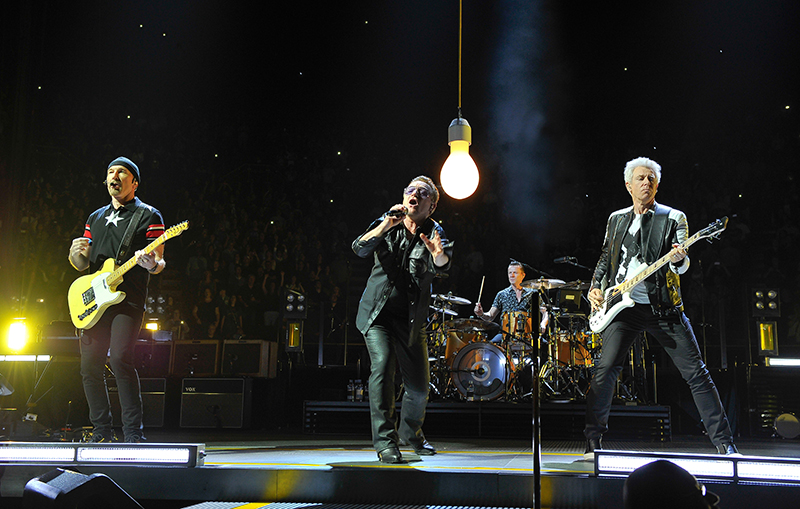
89, 296
618, 297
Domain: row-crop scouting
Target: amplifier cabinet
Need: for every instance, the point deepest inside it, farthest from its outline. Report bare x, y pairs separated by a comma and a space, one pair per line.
215, 402
154, 392
249, 357
195, 357
152, 358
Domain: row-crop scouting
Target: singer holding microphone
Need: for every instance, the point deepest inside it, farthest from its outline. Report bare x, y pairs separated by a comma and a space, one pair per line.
409, 250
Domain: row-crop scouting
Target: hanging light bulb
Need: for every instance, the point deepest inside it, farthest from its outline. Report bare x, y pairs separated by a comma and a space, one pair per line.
459, 175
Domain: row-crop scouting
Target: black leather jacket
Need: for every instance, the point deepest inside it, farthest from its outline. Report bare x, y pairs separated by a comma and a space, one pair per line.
661, 228
385, 272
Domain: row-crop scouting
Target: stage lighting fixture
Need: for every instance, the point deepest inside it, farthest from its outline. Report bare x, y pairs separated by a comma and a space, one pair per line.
766, 302
25, 358
767, 338
624, 462
459, 176
782, 362
295, 306
294, 336
32, 453
714, 467
17, 335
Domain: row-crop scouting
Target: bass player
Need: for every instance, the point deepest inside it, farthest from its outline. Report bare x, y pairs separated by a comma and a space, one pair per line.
636, 237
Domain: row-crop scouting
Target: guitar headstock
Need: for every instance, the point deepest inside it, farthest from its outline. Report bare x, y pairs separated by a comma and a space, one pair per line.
176, 230
713, 230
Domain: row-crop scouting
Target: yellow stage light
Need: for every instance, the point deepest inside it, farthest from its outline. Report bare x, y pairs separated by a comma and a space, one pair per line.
17, 335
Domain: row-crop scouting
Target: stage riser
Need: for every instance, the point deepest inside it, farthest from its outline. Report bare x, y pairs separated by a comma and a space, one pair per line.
492, 420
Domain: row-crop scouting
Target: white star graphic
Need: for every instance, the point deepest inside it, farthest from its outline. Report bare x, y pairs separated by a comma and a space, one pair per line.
113, 218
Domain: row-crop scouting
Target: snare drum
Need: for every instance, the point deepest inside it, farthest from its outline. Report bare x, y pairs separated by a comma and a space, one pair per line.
517, 324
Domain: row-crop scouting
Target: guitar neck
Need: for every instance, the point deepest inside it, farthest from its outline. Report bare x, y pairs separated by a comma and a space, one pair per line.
628, 285
125, 267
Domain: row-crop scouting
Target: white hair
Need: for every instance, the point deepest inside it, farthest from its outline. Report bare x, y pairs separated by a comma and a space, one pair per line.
642, 161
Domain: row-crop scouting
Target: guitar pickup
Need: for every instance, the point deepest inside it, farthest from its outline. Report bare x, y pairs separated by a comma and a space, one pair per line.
88, 312
88, 296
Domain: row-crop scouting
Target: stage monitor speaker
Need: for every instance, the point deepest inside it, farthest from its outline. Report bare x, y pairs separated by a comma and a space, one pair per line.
215, 402
249, 357
65, 489
195, 357
154, 391
152, 358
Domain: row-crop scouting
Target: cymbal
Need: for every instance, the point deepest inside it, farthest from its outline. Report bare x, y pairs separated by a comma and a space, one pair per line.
449, 312
576, 285
538, 284
451, 299
472, 325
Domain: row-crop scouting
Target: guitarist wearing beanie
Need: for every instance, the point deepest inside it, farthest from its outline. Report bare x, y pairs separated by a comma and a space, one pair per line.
117, 231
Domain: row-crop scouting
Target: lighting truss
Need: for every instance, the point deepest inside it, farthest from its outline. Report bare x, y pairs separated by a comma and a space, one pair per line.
66, 454
731, 468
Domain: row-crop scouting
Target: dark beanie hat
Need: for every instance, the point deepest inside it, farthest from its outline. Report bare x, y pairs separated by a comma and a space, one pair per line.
124, 161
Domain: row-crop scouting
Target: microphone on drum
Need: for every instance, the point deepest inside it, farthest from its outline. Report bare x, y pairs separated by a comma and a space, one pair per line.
565, 259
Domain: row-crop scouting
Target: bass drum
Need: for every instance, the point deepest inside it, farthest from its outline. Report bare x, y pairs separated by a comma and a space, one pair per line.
482, 366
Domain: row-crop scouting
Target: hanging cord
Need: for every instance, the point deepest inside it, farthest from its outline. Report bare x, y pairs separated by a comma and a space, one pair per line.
460, 25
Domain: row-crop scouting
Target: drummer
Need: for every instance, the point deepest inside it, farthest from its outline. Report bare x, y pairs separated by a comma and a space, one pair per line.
514, 298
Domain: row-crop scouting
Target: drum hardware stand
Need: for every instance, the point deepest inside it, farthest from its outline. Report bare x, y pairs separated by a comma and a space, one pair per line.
633, 388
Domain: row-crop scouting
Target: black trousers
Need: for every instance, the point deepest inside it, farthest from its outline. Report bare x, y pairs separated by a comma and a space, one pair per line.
117, 330
675, 334
387, 344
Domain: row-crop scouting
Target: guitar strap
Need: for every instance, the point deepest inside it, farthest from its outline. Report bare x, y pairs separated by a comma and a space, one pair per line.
127, 240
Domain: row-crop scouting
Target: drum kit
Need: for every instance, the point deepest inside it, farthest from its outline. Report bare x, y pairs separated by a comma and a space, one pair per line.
477, 360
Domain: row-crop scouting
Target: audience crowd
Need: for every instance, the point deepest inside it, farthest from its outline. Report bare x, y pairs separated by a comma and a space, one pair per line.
276, 211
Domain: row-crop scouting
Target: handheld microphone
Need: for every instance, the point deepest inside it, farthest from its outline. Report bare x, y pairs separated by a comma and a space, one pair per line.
396, 213
565, 259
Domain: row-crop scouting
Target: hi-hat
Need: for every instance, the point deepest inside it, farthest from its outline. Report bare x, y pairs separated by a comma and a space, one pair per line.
452, 299
538, 284
446, 311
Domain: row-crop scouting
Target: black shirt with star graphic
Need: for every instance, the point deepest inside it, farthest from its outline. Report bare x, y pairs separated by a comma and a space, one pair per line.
107, 226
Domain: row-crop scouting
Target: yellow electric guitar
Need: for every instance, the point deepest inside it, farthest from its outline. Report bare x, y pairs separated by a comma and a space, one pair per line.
89, 296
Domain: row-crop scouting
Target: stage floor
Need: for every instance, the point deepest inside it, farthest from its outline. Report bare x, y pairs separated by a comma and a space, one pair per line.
247, 466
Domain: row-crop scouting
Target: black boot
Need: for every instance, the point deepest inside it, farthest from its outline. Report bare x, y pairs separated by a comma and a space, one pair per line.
592, 444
